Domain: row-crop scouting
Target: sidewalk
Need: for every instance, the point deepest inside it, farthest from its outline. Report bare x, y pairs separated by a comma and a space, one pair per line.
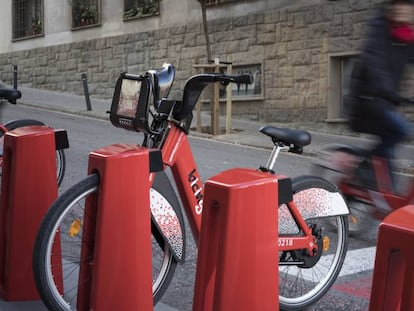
244, 132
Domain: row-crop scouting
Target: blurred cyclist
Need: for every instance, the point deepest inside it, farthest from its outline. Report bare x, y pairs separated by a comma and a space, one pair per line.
375, 83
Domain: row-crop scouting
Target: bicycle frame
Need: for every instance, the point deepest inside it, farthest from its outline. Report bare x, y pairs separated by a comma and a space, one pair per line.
177, 154
384, 199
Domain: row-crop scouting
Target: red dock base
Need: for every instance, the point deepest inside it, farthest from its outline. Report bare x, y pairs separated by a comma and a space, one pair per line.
237, 258
28, 188
122, 267
393, 281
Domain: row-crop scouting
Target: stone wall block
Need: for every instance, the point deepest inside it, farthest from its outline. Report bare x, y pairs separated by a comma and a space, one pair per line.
284, 71
341, 7
190, 40
305, 73
286, 33
71, 64
178, 30
267, 38
319, 30
300, 19
114, 63
177, 39
246, 44
244, 32
337, 20
297, 45
359, 5
278, 50
300, 58
339, 44
255, 19
272, 17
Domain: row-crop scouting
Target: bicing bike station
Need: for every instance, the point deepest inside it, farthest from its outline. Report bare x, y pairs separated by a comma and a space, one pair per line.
225, 279
237, 250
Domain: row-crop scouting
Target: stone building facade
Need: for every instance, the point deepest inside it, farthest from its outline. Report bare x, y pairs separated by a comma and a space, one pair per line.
296, 48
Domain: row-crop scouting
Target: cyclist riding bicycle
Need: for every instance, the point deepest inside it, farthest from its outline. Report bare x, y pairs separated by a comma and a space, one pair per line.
375, 85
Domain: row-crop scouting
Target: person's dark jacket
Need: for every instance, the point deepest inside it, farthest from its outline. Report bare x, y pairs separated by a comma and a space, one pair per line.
377, 74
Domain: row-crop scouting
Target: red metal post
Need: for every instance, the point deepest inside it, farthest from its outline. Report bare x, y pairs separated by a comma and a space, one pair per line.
28, 188
393, 280
237, 258
122, 267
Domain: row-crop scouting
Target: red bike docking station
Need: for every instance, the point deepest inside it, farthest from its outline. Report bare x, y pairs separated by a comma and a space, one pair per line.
236, 266
122, 267
28, 188
393, 280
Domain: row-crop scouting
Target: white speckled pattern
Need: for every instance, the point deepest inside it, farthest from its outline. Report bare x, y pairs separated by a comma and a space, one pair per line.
167, 221
312, 203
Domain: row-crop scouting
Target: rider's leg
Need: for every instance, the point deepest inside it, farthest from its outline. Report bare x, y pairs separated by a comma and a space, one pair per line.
391, 128
394, 129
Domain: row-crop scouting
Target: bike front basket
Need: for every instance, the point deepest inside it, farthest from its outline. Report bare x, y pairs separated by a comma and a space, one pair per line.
130, 104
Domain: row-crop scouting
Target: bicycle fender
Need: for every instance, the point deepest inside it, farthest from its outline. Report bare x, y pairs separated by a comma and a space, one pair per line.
166, 216
319, 199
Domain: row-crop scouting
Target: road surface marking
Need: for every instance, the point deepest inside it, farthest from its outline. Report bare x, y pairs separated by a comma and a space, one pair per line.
356, 261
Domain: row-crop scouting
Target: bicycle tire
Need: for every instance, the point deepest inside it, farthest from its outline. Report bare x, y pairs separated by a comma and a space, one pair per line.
60, 154
64, 211
60, 166
302, 285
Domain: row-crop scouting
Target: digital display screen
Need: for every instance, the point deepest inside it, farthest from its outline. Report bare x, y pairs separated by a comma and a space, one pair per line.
128, 98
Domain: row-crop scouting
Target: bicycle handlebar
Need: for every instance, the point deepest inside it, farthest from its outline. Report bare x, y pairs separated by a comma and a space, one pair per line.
9, 93
196, 84
237, 79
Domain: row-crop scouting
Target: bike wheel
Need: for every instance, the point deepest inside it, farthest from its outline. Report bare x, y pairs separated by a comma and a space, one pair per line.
64, 224
301, 285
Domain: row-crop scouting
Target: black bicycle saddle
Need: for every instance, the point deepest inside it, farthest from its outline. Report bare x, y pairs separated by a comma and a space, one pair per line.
287, 136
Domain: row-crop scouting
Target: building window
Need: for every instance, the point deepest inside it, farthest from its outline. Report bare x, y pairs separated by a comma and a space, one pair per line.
340, 69
27, 18
140, 8
85, 13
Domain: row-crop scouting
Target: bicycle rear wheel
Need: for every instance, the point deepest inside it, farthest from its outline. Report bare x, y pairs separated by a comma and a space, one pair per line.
64, 223
304, 279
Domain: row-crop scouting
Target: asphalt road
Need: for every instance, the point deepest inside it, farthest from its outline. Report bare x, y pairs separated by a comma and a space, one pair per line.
350, 292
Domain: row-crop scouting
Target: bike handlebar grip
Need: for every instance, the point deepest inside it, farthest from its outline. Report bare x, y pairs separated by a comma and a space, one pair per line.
242, 79
9, 93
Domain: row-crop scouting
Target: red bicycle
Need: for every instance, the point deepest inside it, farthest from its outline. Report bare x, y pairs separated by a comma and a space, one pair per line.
11, 95
310, 254
374, 198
